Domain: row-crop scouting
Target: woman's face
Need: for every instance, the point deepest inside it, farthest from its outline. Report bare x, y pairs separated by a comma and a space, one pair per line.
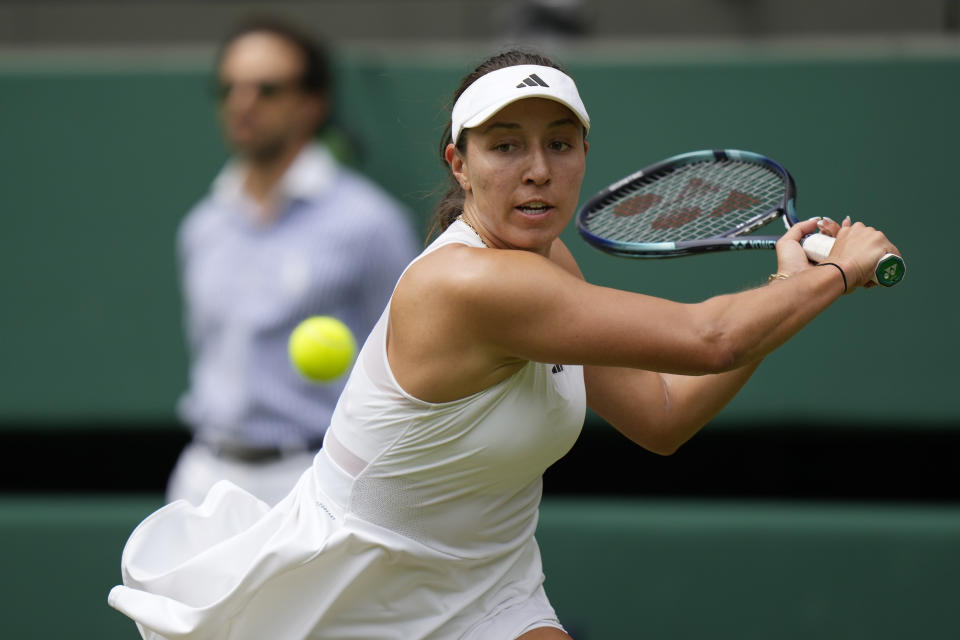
522, 172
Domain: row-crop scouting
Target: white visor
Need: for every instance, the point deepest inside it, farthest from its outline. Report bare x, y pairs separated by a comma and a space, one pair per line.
495, 90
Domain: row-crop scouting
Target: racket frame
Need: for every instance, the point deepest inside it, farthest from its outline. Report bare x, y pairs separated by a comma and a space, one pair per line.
734, 239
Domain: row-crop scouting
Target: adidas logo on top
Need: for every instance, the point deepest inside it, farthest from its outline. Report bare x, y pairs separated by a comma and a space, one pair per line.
531, 81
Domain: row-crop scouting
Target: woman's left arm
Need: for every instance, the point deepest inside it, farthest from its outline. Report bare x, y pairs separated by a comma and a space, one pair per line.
658, 411
661, 411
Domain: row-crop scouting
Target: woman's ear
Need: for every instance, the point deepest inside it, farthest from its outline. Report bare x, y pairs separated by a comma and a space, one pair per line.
458, 165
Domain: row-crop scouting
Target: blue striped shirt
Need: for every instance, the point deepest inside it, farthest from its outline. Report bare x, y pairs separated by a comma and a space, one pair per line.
336, 247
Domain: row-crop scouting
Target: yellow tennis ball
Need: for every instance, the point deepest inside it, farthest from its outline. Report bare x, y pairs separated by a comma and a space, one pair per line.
322, 348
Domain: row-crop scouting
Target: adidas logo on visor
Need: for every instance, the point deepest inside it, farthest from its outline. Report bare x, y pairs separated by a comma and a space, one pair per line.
532, 81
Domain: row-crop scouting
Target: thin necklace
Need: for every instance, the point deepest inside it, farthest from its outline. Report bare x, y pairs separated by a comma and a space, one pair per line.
475, 232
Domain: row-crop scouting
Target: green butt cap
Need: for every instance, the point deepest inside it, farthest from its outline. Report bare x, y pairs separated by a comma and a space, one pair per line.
890, 270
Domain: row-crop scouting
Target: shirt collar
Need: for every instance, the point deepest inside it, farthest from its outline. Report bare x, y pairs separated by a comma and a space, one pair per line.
308, 178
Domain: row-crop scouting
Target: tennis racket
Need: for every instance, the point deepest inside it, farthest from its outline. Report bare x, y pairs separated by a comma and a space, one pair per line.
704, 201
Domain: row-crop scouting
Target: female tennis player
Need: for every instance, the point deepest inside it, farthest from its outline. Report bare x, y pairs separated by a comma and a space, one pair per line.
417, 518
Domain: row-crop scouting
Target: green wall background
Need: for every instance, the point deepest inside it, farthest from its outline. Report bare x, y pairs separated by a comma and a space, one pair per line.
102, 157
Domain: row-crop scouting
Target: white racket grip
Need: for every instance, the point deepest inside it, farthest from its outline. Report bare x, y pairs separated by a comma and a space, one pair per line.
817, 246
888, 272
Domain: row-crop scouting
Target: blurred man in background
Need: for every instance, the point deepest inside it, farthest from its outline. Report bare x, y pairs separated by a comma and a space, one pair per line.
285, 233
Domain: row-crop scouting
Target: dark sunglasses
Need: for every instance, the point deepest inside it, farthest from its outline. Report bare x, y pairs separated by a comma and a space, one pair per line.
266, 90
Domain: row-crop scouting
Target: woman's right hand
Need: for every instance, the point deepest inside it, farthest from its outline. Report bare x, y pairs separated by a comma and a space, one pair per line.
857, 249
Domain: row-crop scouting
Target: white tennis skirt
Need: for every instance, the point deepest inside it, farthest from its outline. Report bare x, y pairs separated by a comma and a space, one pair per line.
234, 569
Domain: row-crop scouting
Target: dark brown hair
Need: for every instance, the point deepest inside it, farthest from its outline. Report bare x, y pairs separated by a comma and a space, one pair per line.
451, 204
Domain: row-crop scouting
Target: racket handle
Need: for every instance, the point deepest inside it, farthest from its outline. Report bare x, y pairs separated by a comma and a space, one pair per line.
888, 272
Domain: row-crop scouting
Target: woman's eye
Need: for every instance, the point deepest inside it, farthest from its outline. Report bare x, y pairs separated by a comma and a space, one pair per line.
560, 145
504, 147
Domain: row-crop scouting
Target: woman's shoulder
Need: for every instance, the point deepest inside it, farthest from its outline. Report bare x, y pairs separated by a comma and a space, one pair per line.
463, 279
448, 269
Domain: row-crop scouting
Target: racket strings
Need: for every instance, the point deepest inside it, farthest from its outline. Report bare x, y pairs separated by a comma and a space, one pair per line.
695, 201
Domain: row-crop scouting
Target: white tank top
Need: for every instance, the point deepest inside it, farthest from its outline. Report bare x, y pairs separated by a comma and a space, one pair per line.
462, 477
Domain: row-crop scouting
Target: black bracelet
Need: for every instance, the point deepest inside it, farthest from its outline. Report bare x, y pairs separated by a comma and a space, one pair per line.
842, 274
